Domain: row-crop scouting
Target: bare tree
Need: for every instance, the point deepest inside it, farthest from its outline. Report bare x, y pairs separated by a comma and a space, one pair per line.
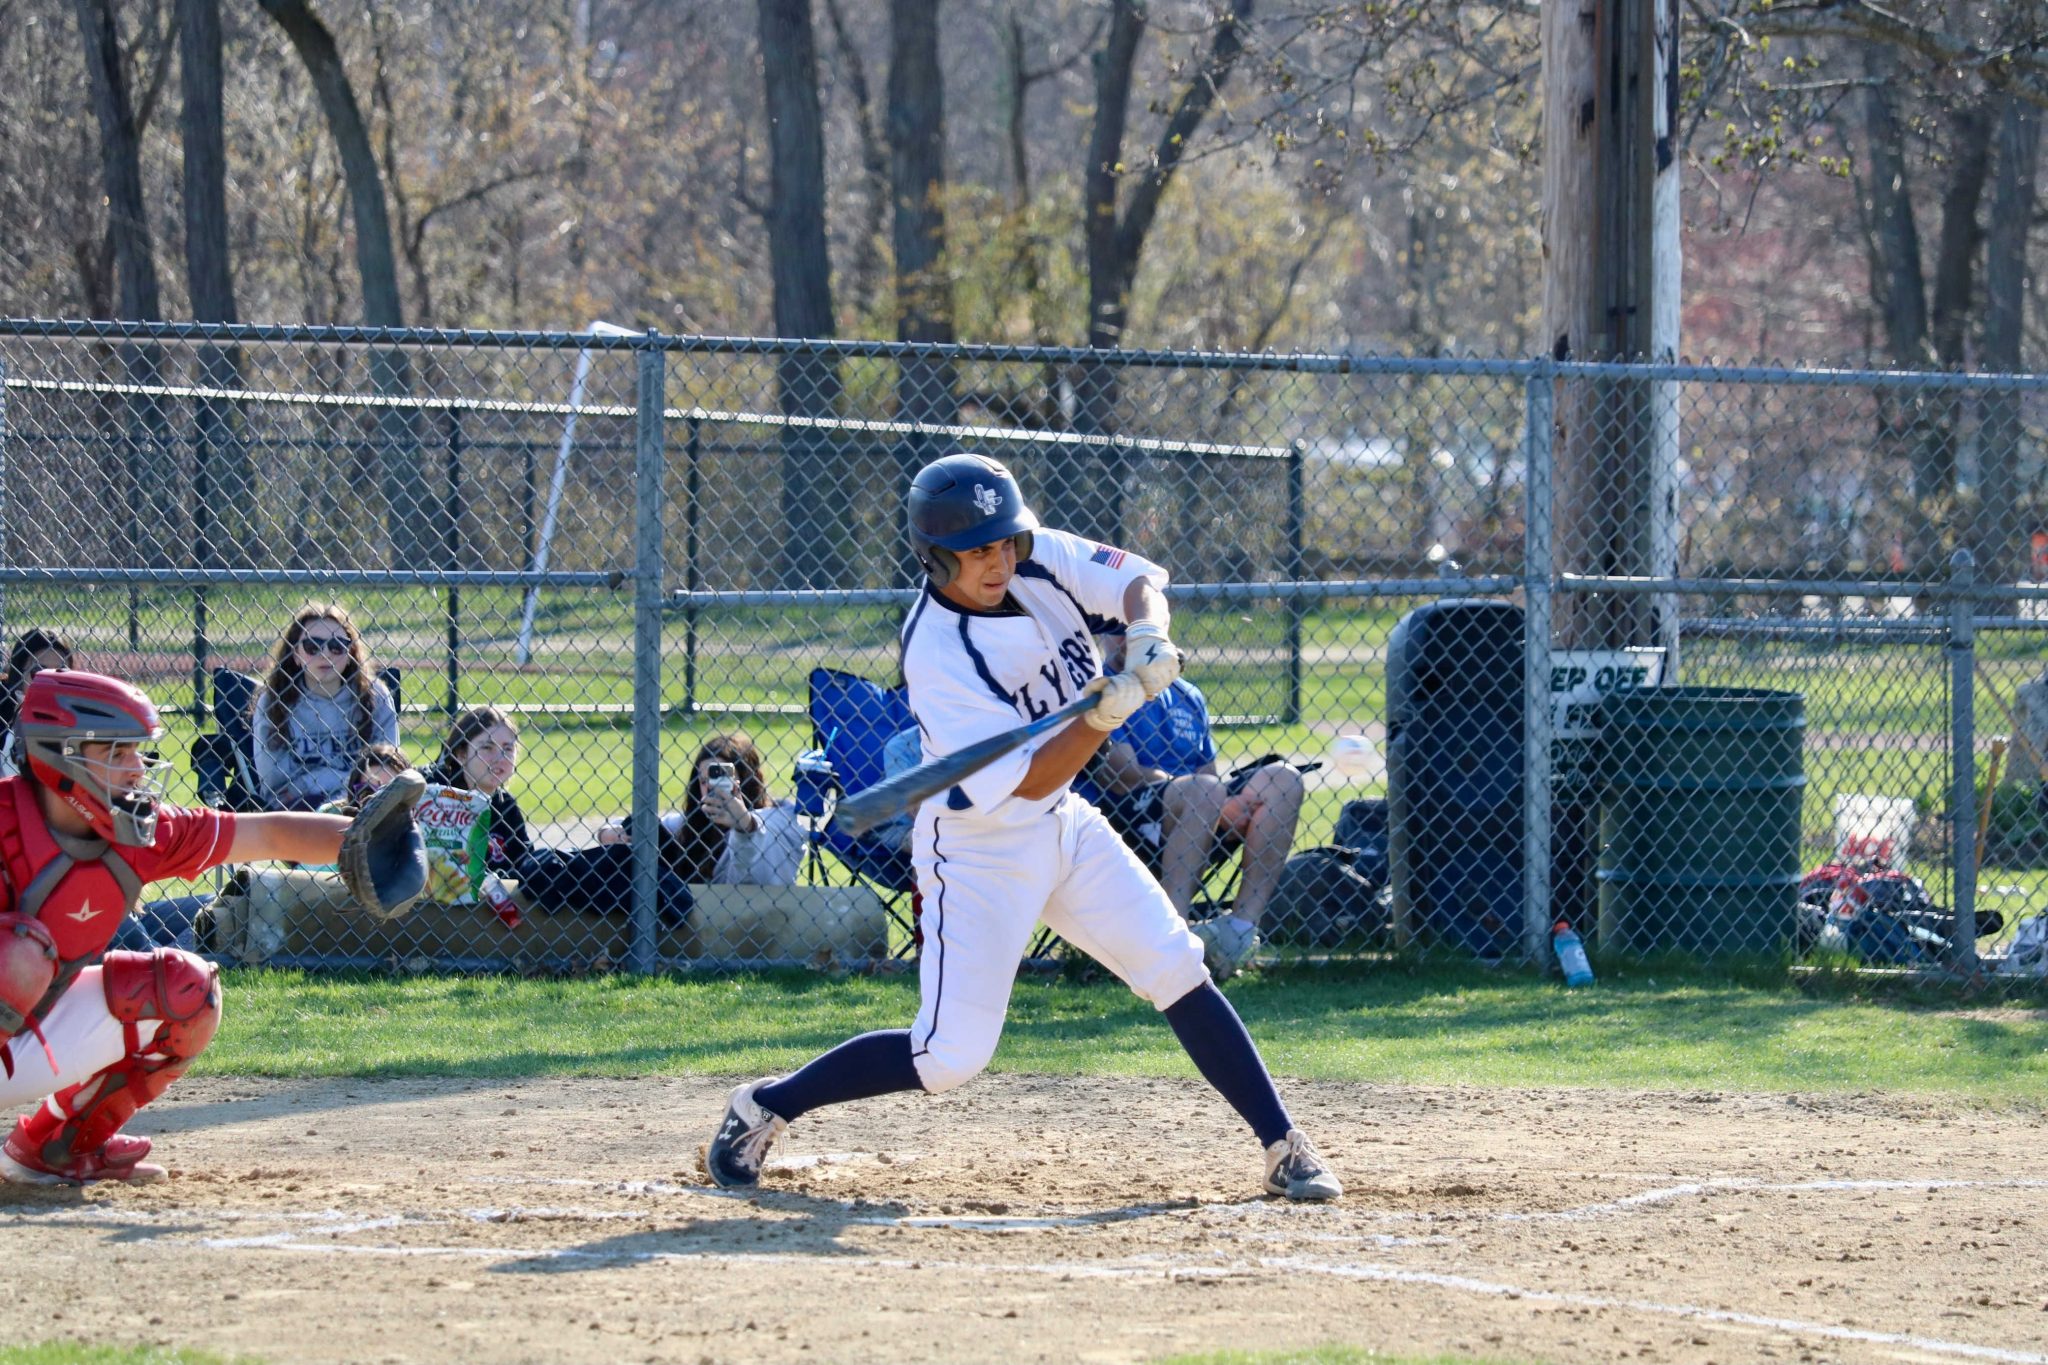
864, 274
152, 499
917, 175
816, 523
409, 506
1996, 531
1093, 490
224, 485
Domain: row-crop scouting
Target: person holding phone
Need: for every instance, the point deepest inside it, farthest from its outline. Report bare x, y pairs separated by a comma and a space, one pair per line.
730, 830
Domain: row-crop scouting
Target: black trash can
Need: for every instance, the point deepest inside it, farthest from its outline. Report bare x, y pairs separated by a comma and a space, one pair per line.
1701, 789
1454, 782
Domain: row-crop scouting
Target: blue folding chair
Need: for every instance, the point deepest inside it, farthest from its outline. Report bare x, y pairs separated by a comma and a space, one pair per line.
852, 721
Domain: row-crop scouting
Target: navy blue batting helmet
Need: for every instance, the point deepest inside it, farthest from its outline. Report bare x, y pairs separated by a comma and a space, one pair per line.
961, 502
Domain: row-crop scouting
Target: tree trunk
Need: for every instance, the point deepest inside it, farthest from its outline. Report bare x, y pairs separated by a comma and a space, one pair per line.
1999, 540
375, 258
1938, 430
153, 510
409, 503
224, 484
917, 173
120, 161
815, 506
1898, 285
864, 275
1895, 274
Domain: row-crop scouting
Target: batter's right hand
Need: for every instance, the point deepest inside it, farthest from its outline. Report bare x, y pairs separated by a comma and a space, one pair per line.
1118, 695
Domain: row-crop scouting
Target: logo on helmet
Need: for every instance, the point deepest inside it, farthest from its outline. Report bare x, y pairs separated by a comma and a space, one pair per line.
987, 499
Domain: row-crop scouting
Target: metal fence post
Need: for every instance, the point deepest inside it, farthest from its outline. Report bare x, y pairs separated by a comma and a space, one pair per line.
452, 551
1539, 396
648, 577
1296, 519
1962, 674
202, 546
693, 451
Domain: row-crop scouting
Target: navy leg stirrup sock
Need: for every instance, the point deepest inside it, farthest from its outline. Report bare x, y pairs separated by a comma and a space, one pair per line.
873, 1064
1227, 1058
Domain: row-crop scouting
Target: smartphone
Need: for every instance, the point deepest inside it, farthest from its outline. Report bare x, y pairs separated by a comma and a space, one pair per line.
718, 776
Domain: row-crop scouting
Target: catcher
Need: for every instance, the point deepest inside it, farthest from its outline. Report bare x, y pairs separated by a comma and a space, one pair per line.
92, 1034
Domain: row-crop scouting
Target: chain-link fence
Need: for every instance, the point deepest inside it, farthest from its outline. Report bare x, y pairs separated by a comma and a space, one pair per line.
1719, 664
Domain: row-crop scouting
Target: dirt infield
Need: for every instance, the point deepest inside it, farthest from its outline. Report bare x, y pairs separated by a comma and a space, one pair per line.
1032, 1218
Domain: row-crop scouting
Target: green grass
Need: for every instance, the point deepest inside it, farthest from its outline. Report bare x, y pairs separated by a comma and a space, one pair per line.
77, 1353
1434, 1027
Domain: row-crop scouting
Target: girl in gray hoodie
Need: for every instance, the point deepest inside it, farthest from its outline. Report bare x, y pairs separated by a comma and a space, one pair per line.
319, 707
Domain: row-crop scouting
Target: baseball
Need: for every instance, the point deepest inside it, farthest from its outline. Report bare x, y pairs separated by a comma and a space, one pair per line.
1353, 755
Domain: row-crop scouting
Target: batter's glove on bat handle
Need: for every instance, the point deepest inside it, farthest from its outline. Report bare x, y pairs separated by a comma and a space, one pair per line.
1117, 696
383, 859
1150, 655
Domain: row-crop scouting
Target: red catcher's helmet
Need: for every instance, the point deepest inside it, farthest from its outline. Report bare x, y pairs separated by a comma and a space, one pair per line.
63, 710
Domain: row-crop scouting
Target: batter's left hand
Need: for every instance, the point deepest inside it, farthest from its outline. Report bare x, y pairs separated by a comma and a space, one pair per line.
1117, 696
1150, 655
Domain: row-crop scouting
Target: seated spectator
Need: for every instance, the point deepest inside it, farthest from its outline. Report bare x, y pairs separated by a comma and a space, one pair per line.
1156, 781
730, 831
481, 754
34, 650
318, 708
374, 769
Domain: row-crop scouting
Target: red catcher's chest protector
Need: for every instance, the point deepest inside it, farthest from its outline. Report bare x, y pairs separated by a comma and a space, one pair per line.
81, 889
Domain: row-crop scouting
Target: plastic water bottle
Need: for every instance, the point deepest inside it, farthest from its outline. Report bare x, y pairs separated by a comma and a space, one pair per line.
1571, 955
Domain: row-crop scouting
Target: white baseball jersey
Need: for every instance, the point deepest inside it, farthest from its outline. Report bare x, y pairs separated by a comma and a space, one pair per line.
991, 864
972, 674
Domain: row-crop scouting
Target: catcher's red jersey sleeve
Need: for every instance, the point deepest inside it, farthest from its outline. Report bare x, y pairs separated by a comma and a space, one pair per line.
189, 841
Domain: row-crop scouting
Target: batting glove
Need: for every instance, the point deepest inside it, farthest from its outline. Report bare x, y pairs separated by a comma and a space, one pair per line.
1119, 695
1150, 655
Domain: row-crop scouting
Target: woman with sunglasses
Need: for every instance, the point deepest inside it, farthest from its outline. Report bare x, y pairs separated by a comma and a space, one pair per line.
319, 707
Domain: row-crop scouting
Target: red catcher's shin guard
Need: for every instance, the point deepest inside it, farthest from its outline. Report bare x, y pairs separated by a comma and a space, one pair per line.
169, 996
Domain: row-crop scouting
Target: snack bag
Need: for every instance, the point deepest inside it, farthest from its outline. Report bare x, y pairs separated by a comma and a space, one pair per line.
455, 823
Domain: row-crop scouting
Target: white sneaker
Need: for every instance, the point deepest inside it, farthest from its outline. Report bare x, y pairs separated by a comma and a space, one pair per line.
1295, 1170
1227, 944
737, 1151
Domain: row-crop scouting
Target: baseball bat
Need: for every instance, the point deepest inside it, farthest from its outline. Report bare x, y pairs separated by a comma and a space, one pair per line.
886, 800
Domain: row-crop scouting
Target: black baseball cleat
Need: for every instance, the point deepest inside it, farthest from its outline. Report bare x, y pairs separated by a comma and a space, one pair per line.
1295, 1170
737, 1151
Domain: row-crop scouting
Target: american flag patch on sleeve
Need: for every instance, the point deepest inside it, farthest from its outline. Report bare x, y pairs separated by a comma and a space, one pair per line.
1107, 554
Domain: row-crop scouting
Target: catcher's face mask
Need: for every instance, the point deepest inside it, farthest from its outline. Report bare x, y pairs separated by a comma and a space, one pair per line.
116, 786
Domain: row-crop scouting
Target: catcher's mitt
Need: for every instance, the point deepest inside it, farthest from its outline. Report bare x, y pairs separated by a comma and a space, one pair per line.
383, 859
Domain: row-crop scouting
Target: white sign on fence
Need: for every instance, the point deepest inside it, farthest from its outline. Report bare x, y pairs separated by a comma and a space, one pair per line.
1580, 678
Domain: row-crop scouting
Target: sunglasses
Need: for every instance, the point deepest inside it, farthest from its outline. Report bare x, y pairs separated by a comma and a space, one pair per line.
331, 644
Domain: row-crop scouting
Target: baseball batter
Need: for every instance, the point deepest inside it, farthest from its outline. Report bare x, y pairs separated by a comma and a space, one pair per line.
1003, 635
95, 1035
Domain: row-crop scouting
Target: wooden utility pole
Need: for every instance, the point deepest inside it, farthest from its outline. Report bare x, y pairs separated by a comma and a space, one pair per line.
1610, 292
